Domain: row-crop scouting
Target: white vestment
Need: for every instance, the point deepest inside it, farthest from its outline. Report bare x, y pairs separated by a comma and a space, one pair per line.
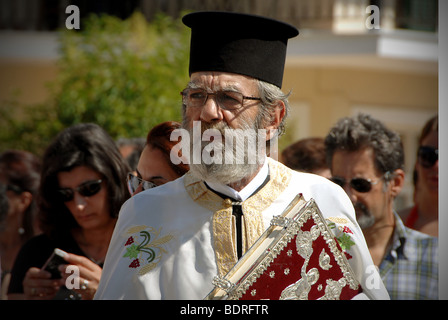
171, 241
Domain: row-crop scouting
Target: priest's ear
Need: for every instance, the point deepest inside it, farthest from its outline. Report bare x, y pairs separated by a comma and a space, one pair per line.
277, 113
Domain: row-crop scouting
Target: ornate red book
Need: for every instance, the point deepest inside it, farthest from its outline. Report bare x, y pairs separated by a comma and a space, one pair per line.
296, 258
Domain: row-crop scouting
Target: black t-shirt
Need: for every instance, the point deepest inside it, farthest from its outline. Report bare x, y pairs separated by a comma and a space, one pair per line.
35, 253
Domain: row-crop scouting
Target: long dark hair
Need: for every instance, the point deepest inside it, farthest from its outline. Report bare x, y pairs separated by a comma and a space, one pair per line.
85, 144
21, 169
430, 126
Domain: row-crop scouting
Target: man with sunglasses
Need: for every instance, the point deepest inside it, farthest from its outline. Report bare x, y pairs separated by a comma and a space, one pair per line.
367, 161
172, 241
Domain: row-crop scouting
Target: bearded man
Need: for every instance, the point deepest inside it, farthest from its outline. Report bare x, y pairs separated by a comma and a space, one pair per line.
367, 160
171, 241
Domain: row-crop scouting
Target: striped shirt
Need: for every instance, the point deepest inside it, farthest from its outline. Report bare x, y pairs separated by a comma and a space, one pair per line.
410, 268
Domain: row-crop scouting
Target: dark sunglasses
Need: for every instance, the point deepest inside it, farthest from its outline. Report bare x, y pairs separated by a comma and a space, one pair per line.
134, 182
357, 184
427, 156
86, 189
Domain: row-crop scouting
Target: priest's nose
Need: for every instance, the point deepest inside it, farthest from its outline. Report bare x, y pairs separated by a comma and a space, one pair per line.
210, 111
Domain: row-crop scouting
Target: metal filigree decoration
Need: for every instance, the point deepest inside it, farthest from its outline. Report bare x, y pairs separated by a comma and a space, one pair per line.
324, 260
222, 283
300, 289
304, 247
333, 289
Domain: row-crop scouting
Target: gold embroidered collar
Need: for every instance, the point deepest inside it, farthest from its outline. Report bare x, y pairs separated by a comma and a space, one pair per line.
223, 229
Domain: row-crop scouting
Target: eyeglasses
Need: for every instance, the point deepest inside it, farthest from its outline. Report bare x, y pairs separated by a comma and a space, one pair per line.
226, 99
358, 184
134, 182
86, 189
427, 156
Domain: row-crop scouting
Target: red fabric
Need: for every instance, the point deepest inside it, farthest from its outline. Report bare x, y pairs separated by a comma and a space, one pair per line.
268, 287
412, 218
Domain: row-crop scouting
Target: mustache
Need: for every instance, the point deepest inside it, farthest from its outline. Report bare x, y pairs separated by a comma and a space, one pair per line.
363, 216
219, 126
362, 208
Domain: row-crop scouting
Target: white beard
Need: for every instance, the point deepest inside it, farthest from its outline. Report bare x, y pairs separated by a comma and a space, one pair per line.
244, 161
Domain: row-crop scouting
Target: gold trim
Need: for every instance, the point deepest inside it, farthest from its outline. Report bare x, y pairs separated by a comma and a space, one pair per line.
224, 242
338, 220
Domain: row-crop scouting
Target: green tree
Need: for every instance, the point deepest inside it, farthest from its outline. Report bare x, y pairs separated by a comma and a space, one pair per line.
124, 75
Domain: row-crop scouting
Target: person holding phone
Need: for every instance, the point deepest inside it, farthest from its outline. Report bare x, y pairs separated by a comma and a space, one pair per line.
82, 189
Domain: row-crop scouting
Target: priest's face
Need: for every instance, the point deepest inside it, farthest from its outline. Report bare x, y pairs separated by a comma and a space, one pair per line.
210, 112
213, 115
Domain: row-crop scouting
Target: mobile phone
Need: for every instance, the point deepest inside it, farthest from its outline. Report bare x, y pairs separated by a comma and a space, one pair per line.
53, 262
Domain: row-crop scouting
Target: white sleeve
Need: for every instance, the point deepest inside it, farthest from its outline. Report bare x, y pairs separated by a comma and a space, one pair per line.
117, 282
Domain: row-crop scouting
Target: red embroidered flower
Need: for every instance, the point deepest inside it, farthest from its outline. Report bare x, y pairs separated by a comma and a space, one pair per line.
347, 230
130, 241
348, 255
134, 264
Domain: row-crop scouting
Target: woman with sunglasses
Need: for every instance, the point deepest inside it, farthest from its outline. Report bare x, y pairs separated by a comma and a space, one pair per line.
154, 166
81, 192
424, 215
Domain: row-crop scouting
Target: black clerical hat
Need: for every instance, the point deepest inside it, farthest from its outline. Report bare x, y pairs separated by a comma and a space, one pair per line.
239, 43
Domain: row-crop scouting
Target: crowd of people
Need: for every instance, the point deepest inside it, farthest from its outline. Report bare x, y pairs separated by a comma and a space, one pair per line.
117, 217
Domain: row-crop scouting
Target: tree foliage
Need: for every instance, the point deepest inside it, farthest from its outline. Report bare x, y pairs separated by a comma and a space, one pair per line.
124, 75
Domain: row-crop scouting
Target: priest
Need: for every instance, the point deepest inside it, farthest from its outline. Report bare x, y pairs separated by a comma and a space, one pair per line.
170, 242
